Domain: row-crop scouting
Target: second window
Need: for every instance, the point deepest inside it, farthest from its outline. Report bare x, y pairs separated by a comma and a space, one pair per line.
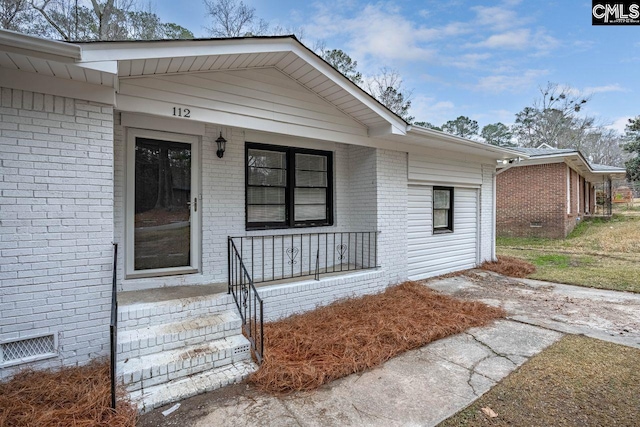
442, 209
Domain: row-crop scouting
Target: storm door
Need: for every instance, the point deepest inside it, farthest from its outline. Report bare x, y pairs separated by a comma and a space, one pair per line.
162, 206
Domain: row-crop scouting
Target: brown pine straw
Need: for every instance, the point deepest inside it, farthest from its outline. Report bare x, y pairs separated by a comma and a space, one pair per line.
68, 397
304, 351
510, 266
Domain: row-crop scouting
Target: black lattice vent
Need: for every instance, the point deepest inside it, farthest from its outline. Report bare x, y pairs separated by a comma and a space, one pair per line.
27, 349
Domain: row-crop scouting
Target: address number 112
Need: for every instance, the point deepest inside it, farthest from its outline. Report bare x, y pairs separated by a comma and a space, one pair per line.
182, 112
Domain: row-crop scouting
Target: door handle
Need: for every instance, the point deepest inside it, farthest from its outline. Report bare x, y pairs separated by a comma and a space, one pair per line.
195, 204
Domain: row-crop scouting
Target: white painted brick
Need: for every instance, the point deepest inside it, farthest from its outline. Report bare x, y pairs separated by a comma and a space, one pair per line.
47, 184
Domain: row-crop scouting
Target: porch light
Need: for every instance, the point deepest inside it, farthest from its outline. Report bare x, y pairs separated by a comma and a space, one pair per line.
221, 145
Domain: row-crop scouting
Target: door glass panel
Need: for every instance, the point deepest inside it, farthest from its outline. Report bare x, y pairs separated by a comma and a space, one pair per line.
162, 231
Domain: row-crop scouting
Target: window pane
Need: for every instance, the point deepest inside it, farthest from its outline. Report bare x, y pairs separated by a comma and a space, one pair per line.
265, 196
441, 199
440, 218
267, 159
310, 196
267, 177
311, 179
311, 162
310, 212
265, 213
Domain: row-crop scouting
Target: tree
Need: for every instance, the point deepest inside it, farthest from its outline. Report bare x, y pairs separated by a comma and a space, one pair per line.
343, 63
14, 14
632, 145
388, 89
603, 146
497, 134
80, 20
428, 125
553, 119
462, 126
232, 19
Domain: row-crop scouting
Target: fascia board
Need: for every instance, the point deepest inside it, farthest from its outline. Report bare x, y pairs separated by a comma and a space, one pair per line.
39, 47
138, 50
495, 152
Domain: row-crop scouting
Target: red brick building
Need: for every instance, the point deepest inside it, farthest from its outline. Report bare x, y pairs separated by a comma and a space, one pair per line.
547, 194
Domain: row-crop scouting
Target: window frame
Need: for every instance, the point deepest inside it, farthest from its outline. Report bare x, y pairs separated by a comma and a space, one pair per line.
449, 228
290, 165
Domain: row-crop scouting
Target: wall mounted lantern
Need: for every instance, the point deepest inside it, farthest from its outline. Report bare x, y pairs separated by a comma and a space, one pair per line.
221, 145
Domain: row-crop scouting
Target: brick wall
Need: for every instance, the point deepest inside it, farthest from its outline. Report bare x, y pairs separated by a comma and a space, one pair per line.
392, 198
531, 201
56, 223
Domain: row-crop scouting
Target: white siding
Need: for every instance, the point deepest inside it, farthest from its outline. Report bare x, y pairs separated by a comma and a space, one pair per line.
263, 99
434, 254
444, 170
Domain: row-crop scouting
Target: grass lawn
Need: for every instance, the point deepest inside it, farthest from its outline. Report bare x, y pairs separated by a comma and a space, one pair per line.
577, 381
598, 253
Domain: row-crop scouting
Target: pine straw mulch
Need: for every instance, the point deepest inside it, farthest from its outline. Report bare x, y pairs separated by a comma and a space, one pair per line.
304, 351
510, 266
77, 396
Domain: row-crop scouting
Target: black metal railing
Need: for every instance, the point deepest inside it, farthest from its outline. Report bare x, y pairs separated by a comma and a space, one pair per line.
247, 300
113, 327
285, 256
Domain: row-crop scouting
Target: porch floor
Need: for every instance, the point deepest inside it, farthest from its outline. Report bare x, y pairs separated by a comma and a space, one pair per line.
168, 293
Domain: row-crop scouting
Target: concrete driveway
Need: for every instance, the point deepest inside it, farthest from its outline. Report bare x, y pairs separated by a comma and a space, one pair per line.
425, 386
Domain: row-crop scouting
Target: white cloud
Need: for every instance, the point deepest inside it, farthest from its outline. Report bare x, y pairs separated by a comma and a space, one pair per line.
505, 117
619, 124
509, 83
469, 60
380, 32
497, 18
428, 109
519, 39
606, 88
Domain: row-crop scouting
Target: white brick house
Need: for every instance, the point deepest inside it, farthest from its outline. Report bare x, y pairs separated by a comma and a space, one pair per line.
115, 142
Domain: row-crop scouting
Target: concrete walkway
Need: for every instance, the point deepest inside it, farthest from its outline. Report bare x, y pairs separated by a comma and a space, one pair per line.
425, 386
606, 315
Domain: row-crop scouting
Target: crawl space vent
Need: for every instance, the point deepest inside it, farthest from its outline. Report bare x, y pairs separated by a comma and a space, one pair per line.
241, 349
27, 350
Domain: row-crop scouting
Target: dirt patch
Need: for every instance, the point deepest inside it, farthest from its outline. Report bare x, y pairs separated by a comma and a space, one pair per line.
577, 381
509, 266
78, 396
197, 407
305, 351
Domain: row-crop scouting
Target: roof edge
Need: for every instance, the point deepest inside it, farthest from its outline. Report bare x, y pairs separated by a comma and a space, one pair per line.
45, 47
446, 137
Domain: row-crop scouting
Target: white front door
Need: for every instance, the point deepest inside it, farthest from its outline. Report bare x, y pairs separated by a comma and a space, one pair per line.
162, 212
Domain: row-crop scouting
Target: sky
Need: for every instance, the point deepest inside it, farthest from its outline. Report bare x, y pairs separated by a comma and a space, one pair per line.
483, 59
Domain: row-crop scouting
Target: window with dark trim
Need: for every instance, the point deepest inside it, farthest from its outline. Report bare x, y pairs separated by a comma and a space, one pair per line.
288, 187
442, 210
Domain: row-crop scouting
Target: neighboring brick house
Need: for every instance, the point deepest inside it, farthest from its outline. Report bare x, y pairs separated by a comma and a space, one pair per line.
548, 193
214, 165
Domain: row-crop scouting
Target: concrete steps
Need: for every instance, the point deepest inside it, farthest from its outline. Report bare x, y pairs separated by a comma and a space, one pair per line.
176, 348
146, 340
162, 394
